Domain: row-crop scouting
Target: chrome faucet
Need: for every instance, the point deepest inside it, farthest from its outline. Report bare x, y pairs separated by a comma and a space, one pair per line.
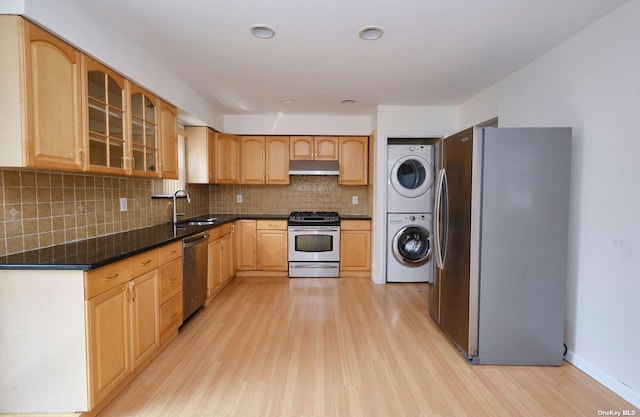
175, 205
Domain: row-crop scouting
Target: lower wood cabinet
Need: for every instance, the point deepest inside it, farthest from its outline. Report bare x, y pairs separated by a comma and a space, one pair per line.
355, 247
170, 271
246, 242
78, 337
137, 304
145, 317
272, 245
108, 322
221, 259
123, 322
261, 247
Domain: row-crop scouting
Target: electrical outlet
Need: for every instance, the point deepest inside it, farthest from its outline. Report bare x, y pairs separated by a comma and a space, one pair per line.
123, 204
354, 199
239, 198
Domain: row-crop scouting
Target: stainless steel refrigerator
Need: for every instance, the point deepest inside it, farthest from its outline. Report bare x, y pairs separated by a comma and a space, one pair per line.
501, 236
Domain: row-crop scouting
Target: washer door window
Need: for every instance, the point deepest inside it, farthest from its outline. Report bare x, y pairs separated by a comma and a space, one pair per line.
412, 246
411, 176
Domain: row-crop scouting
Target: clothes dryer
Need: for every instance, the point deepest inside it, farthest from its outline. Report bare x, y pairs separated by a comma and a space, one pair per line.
410, 178
409, 248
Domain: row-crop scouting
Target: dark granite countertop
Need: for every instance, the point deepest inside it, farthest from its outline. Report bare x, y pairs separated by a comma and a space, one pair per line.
96, 252
355, 217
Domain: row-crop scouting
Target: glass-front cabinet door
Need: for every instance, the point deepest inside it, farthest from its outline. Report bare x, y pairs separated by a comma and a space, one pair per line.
105, 118
144, 132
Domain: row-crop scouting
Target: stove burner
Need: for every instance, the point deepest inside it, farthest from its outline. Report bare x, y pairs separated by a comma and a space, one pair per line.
329, 218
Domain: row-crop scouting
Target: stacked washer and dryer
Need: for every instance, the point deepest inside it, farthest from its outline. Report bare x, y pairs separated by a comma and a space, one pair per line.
409, 211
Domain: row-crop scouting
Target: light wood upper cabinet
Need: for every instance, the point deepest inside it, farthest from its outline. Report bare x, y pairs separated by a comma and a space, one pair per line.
53, 102
200, 155
277, 160
301, 148
227, 156
264, 160
168, 140
40, 121
143, 131
326, 148
104, 127
252, 160
314, 147
354, 160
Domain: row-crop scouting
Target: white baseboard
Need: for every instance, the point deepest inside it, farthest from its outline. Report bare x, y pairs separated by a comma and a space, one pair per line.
611, 383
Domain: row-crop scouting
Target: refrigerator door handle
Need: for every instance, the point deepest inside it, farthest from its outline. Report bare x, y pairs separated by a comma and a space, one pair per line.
445, 234
436, 219
438, 215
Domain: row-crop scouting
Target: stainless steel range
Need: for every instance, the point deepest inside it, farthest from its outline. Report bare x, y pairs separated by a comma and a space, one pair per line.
314, 244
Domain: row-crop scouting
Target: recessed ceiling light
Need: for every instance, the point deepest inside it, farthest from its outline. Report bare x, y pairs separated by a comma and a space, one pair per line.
287, 101
371, 33
348, 101
262, 31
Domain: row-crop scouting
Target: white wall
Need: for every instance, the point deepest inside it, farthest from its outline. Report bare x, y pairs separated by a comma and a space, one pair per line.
81, 26
12, 6
592, 83
297, 125
407, 122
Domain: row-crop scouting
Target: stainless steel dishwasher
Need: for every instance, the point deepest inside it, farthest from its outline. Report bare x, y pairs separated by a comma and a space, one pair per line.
195, 273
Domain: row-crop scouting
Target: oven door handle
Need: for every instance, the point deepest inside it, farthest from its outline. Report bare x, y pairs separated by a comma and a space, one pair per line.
319, 266
308, 229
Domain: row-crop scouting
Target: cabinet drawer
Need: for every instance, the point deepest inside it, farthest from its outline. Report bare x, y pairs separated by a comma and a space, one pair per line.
143, 262
170, 279
218, 231
272, 224
171, 313
102, 279
355, 225
170, 252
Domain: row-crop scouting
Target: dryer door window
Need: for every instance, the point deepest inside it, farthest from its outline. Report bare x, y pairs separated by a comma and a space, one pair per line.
412, 245
411, 176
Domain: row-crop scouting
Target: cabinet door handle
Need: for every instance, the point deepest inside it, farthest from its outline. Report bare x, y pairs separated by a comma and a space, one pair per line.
173, 279
147, 262
112, 276
172, 252
81, 153
173, 315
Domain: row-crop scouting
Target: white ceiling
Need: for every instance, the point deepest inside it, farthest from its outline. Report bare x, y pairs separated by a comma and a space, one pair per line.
433, 52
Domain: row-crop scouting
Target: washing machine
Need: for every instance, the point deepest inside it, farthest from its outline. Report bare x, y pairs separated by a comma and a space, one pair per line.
409, 254
410, 178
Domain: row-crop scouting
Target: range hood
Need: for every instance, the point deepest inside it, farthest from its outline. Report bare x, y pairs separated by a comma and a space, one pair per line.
314, 168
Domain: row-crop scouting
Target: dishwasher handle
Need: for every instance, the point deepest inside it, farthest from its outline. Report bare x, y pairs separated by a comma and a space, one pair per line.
194, 240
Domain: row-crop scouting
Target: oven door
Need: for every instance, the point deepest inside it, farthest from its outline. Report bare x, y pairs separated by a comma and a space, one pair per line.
314, 243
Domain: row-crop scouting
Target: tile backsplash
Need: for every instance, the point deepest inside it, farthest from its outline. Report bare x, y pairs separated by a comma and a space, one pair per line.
303, 193
41, 209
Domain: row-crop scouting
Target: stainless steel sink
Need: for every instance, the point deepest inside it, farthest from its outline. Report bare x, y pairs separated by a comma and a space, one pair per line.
202, 222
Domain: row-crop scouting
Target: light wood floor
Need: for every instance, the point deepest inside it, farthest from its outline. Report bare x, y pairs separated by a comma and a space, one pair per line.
339, 347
